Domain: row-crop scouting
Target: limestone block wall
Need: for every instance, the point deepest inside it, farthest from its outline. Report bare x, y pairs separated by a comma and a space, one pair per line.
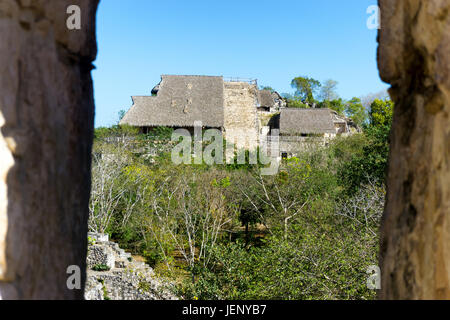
46, 129
100, 255
126, 279
295, 145
414, 57
241, 122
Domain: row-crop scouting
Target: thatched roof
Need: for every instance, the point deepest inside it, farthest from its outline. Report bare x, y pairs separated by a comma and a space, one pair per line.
306, 121
180, 101
266, 98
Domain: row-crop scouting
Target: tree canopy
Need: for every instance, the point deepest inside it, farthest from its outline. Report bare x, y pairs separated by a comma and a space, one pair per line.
355, 110
337, 105
305, 88
381, 112
328, 90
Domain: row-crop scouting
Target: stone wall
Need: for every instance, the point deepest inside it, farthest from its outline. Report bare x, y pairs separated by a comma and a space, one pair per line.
46, 129
241, 122
126, 279
414, 57
294, 145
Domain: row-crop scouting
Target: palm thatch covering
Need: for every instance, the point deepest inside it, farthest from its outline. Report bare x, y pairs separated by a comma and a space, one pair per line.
266, 99
306, 121
180, 101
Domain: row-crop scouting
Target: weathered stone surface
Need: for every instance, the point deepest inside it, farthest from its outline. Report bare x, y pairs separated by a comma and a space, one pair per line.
414, 56
100, 255
241, 122
46, 123
127, 279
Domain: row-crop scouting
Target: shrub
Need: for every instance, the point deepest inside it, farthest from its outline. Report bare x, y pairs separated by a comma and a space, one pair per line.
370, 162
226, 232
101, 267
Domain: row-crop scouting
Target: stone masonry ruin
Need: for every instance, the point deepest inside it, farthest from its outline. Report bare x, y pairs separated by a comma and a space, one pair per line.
113, 274
246, 116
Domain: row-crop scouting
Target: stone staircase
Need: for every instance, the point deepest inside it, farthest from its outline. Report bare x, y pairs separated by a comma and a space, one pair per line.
124, 278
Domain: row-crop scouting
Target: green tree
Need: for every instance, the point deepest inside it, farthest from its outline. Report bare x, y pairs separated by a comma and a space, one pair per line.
381, 112
355, 110
305, 88
115, 131
328, 90
372, 161
296, 103
337, 105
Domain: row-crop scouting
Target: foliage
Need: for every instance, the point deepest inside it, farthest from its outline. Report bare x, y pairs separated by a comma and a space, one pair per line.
381, 112
144, 286
369, 98
296, 102
324, 257
372, 161
355, 110
91, 241
100, 267
305, 88
337, 105
226, 232
164, 133
105, 291
328, 90
115, 131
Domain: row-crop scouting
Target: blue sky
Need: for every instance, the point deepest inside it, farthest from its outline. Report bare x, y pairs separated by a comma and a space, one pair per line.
272, 41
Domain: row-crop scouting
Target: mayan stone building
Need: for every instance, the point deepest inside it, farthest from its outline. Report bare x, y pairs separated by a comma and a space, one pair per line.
183, 101
245, 115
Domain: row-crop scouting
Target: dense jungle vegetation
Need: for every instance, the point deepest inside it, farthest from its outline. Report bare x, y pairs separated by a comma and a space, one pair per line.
227, 232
